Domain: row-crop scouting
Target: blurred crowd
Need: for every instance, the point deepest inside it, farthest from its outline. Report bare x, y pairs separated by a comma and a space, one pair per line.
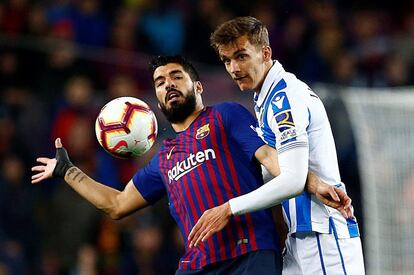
61, 60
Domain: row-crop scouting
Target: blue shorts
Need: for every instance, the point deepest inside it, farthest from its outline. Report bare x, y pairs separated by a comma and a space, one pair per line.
257, 262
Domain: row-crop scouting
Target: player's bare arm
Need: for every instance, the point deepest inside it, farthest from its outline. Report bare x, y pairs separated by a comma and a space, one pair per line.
116, 204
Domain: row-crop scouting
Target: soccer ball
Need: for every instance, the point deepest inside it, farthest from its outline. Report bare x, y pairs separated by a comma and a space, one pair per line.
126, 127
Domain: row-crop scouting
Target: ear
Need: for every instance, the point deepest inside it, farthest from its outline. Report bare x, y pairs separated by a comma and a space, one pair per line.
267, 53
198, 87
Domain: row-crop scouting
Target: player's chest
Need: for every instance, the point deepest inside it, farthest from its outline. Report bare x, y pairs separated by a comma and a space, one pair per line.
190, 153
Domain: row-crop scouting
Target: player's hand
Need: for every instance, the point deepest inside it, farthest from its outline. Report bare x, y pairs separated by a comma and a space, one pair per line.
336, 198
55, 167
212, 221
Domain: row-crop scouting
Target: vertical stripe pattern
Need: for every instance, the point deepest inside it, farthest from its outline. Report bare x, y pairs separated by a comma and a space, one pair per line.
200, 171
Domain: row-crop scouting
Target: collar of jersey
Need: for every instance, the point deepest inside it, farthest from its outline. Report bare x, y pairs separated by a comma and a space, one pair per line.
272, 78
192, 122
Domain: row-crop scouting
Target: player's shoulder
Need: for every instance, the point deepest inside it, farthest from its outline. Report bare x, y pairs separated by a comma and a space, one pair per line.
295, 85
289, 88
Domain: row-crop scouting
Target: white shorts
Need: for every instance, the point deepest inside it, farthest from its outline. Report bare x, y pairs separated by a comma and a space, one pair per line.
317, 253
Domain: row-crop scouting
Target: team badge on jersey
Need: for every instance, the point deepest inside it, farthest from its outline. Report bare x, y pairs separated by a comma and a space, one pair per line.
283, 116
203, 131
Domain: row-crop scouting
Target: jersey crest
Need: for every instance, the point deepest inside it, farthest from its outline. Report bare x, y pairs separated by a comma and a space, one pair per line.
203, 131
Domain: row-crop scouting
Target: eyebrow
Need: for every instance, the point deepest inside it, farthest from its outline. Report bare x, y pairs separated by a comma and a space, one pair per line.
170, 73
175, 71
158, 78
234, 54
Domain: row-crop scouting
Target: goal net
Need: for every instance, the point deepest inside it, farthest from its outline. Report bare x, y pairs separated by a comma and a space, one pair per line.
382, 123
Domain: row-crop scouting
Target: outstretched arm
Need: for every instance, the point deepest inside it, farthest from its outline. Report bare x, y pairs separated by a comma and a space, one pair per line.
116, 204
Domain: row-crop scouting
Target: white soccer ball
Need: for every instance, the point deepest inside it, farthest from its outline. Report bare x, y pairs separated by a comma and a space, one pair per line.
126, 127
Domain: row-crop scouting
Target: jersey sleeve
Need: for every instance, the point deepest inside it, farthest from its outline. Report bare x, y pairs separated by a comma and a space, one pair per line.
149, 183
288, 117
241, 126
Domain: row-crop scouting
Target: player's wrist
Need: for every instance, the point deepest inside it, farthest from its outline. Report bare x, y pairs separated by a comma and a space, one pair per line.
228, 211
234, 206
63, 163
313, 183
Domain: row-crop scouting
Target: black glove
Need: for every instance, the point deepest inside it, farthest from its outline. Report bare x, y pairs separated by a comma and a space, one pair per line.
63, 163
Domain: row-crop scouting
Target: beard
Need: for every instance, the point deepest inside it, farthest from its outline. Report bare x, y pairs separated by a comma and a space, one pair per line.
179, 111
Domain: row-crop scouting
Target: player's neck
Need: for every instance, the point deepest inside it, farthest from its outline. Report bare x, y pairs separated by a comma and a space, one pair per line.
267, 66
182, 126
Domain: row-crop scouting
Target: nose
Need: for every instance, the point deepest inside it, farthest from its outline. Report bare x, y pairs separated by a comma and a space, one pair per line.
169, 84
234, 66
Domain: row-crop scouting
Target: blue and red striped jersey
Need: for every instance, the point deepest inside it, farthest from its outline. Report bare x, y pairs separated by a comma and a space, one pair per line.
204, 166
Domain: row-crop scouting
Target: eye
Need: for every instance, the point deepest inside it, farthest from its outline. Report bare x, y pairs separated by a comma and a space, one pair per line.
226, 61
242, 57
159, 83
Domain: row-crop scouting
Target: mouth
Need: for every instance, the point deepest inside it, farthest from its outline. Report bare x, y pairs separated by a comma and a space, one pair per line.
239, 78
172, 96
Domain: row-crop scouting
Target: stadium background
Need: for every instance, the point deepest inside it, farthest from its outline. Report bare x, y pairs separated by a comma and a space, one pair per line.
61, 60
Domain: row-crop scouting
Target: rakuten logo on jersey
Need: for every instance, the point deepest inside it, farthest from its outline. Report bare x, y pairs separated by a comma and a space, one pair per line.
193, 161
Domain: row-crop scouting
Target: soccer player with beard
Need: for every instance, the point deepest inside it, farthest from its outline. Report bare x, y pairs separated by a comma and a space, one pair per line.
214, 157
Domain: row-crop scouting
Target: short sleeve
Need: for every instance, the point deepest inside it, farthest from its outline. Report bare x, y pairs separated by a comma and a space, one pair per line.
240, 124
149, 183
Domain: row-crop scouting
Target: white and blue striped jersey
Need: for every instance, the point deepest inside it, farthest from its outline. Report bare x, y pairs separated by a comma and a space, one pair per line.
291, 115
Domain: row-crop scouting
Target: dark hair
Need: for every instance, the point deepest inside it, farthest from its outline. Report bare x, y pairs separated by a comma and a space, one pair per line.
163, 60
229, 31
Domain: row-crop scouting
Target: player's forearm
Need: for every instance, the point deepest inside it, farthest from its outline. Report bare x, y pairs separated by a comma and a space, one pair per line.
290, 183
312, 183
102, 196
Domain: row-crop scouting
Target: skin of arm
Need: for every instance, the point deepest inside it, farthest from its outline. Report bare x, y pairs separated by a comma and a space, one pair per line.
117, 204
329, 195
267, 156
